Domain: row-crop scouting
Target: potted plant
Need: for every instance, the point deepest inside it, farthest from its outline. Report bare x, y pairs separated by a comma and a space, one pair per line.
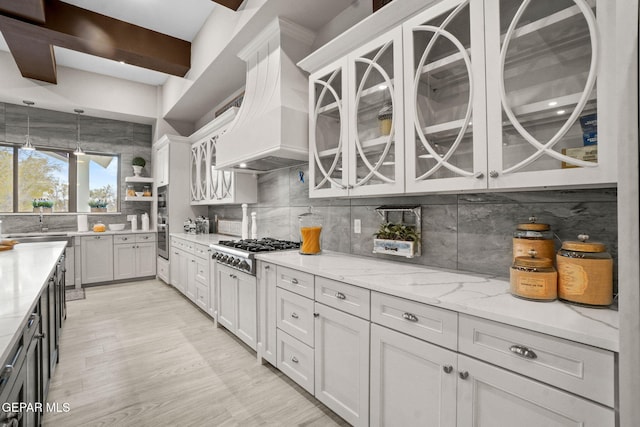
44, 205
138, 163
396, 239
98, 205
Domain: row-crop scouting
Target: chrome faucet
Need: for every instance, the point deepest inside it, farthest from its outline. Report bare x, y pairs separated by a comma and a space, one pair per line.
43, 227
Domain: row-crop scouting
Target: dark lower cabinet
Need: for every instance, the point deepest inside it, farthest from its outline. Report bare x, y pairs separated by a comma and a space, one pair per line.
26, 374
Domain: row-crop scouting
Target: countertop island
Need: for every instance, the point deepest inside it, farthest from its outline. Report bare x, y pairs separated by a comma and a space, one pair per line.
24, 272
478, 295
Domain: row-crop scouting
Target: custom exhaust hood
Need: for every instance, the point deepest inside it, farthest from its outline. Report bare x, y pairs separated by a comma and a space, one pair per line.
271, 130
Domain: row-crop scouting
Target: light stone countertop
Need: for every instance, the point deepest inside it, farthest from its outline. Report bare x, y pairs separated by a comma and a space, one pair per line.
483, 296
205, 239
73, 233
24, 271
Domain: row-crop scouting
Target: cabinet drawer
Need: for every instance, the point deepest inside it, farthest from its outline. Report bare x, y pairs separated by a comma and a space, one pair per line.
123, 238
578, 368
345, 297
295, 315
295, 281
145, 237
436, 325
202, 271
201, 250
177, 243
202, 296
295, 360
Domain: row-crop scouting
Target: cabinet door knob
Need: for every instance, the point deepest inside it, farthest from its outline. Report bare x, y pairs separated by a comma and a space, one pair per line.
125, 239
463, 375
316, 314
494, 174
266, 267
523, 351
410, 317
294, 281
340, 295
294, 315
447, 369
479, 175
294, 359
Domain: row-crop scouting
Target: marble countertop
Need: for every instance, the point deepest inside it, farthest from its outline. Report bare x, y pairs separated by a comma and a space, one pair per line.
478, 295
205, 239
24, 271
73, 233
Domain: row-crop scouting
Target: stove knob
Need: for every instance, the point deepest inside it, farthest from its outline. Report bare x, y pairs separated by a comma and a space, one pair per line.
223, 258
244, 265
235, 262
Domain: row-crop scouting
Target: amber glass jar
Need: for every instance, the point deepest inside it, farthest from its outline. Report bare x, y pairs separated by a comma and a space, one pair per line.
536, 236
310, 233
585, 272
534, 278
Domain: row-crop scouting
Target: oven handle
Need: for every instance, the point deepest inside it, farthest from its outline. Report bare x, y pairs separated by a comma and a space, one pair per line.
162, 225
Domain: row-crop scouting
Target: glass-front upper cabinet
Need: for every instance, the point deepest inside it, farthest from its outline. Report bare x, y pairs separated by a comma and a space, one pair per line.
194, 172
445, 98
328, 133
219, 180
550, 92
376, 127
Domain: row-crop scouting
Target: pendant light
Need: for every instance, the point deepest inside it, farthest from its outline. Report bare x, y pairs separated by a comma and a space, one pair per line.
27, 138
78, 151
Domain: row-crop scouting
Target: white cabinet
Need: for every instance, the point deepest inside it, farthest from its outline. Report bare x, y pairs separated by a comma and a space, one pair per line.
213, 289
266, 288
496, 92
208, 185
97, 258
134, 256
342, 364
201, 276
237, 303
356, 130
70, 265
488, 395
161, 166
413, 383
163, 270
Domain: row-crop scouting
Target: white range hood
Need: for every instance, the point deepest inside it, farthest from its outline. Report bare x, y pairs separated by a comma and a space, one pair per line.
271, 130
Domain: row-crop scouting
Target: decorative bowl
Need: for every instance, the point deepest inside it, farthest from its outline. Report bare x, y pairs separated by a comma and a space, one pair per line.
116, 227
139, 193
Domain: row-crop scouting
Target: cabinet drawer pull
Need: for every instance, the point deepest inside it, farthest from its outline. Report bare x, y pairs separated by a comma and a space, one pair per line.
294, 315
294, 359
294, 281
266, 267
523, 351
40, 336
494, 174
447, 369
340, 295
145, 237
410, 317
463, 375
125, 239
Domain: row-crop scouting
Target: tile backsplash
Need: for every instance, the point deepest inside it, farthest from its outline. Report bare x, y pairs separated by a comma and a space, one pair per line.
54, 129
469, 232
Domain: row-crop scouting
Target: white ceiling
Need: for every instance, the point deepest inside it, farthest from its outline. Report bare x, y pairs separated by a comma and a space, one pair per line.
182, 19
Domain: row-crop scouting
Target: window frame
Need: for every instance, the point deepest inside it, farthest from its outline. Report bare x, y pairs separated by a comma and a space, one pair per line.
72, 179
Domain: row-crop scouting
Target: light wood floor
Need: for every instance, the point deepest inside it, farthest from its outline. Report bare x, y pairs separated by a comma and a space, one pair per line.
140, 354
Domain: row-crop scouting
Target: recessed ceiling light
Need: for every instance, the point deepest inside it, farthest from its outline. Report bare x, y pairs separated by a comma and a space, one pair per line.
243, 165
559, 112
553, 103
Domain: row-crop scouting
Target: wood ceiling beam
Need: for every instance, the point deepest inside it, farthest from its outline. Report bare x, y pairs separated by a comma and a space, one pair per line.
31, 10
85, 31
231, 4
34, 59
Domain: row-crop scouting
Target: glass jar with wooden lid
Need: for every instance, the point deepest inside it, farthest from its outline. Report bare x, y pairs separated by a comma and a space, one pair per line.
536, 236
585, 272
533, 278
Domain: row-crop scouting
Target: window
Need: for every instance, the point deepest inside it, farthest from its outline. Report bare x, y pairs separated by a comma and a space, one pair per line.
43, 174
97, 181
67, 182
